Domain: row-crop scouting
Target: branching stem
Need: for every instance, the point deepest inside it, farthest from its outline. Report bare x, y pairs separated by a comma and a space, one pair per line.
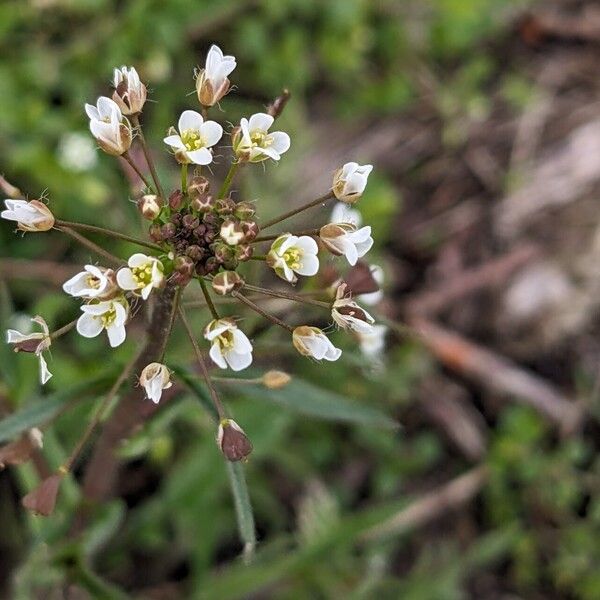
91, 246
291, 213
262, 312
287, 296
267, 238
229, 179
132, 164
149, 161
209, 302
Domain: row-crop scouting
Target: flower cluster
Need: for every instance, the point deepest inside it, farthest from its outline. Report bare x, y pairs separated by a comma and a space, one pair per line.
196, 234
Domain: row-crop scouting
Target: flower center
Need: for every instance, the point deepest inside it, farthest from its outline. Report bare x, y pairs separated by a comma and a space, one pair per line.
93, 282
260, 138
142, 275
192, 139
226, 341
109, 317
292, 258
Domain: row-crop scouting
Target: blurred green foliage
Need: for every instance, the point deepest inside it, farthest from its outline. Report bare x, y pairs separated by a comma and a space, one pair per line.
326, 466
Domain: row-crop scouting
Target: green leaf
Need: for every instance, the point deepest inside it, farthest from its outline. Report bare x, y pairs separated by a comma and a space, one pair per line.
191, 381
41, 411
308, 399
243, 508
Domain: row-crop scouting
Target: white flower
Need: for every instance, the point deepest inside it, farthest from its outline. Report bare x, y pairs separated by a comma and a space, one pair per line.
130, 93
195, 137
290, 254
33, 342
344, 239
76, 152
107, 124
92, 282
373, 298
110, 315
342, 213
252, 142
372, 344
30, 216
212, 82
311, 341
155, 378
349, 315
142, 275
350, 181
230, 346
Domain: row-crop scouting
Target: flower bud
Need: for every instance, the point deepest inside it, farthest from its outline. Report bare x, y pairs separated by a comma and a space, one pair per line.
195, 252
168, 230
211, 265
244, 210
232, 232
349, 315
232, 441
349, 182
223, 252
275, 380
212, 82
190, 221
42, 499
244, 252
210, 219
225, 206
184, 265
311, 341
198, 186
155, 233
202, 204
226, 282
175, 199
155, 378
343, 239
130, 93
30, 216
250, 229
149, 206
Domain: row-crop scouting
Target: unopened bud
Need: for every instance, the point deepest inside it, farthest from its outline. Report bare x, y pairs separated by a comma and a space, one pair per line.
190, 221
195, 252
30, 216
232, 232
210, 219
176, 199
168, 230
226, 282
244, 252
223, 252
211, 265
250, 229
149, 206
42, 499
184, 265
232, 441
202, 204
244, 210
275, 380
155, 232
198, 186
225, 206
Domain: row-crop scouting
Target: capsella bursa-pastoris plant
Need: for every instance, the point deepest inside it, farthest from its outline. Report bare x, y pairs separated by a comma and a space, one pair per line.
201, 234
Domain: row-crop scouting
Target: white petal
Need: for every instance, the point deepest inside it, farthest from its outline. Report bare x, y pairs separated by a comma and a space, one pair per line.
241, 343
211, 132
238, 361
362, 235
138, 260
203, 156
363, 247
116, 335
98, 308
125, 280
351, 253
260, 121
280, 141
217, 331
309, 265
89, 326
216, 355
174, 141
190, 119
307, 244
92, 112
44, 372
77, 285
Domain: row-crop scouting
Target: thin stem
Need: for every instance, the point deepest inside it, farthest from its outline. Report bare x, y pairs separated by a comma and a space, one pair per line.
298, 210
128, 158
108, 232
258, 257
229, 179
202, 363
262, 312
287, 296
149, 161
205, 112
68, 464
170, 325
234, 380
64, 329
266, 238
91, 246
208, 299
184, 174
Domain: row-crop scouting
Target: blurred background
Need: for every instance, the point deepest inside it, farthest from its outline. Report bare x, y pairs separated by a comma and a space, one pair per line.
482, 121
